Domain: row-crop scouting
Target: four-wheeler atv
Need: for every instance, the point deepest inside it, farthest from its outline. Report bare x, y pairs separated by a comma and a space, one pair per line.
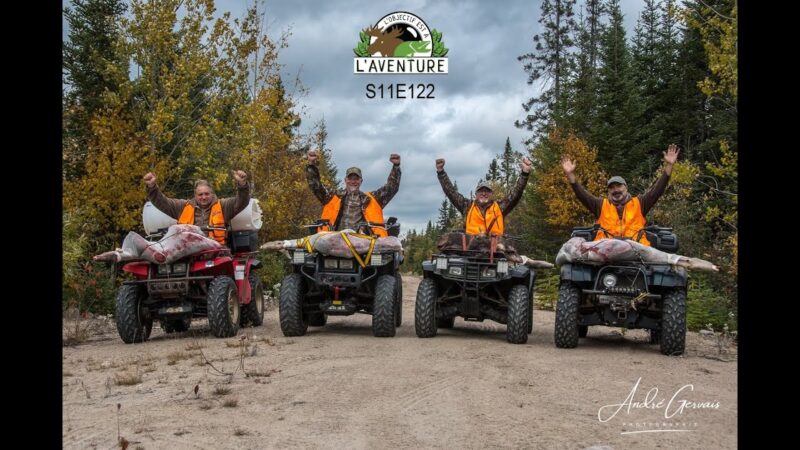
475, 285
320, 286
219, 283
626, 294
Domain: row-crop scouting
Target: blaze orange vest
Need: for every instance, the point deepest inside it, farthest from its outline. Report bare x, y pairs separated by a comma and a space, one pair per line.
373, 213
214, 220
490, 222
629, 226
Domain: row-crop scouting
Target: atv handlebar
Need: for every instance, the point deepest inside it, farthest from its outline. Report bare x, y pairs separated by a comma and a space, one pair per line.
391, 225
207, 229
592, 231
317, 224
162, 231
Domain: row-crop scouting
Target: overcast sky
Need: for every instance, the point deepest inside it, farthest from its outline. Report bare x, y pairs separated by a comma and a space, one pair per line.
467, 123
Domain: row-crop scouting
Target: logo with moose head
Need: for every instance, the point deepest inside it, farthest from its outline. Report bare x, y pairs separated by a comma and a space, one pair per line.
400, 42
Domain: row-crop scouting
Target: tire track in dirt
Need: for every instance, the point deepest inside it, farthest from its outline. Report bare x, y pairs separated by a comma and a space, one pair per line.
410, 399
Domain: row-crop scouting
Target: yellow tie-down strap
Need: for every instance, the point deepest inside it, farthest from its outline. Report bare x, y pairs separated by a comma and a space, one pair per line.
306, 242
361, 262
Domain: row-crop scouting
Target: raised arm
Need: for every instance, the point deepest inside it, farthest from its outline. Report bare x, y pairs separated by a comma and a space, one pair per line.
649, 198
234, 205
458, 200
322, 193
172, 207
515, 194
386, 192
592, 203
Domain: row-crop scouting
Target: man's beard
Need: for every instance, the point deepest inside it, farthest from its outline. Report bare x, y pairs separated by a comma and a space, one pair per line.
483, 202
624, 198
351, 188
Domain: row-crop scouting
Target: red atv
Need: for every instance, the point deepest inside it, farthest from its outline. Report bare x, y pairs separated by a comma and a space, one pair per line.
219, 284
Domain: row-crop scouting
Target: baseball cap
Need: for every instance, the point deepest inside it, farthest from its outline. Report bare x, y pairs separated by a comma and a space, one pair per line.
616, 179
483, 184
354, 170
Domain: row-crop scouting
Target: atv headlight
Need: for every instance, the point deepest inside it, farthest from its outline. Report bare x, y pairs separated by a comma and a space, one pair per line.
376, 259
455, 270
502, 266
331, 263
441, 263
179, 268
345, 263
299, 257
610, 280
488, 272
163, 269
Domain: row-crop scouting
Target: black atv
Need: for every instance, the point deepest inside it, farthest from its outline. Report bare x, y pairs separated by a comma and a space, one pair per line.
627, 294
320, 286
475, 285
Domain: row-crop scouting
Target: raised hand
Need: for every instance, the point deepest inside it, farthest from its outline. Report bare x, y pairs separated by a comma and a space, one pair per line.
149, 179
240, 177
671, 155
568, 164
394, 158
440, 164
525, 165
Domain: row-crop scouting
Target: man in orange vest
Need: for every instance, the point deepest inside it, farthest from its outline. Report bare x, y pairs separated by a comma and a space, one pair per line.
620, 214
205, 209
345, 208
484, 214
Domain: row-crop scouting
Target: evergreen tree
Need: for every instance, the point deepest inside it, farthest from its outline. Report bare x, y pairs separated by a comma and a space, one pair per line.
616, 134
649, 67
91, 69
547, 65
509, 166
443, 222
582, 83
327, 168
493, 173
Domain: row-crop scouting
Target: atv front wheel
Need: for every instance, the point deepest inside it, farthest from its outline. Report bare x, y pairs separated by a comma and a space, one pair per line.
223, 307
132, 323
518, 310
425, 309
290, 305
384, 307
566, 327
673, 322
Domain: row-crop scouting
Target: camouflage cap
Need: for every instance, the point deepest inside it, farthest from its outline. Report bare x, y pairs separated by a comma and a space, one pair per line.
354, 170
483, 185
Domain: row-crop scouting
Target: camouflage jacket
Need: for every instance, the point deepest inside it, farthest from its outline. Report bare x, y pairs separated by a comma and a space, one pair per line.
173, 207
353, 203
462, 203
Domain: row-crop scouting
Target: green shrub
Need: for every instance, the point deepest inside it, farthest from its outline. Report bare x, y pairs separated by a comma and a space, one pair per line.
705, 305
545, 291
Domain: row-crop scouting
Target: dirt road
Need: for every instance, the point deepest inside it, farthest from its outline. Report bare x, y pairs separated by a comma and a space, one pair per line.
339, 387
